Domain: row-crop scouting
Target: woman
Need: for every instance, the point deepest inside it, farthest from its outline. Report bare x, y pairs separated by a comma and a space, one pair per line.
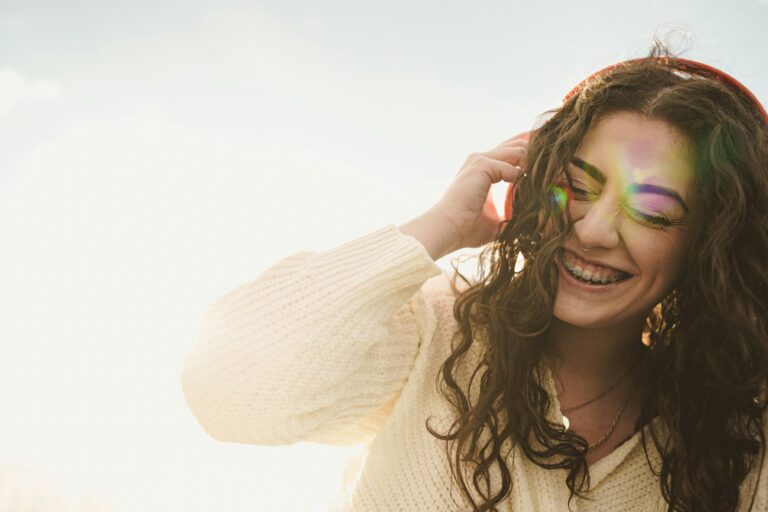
622, 367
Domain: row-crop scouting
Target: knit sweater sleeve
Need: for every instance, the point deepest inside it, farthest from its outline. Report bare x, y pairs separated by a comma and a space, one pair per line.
316, 348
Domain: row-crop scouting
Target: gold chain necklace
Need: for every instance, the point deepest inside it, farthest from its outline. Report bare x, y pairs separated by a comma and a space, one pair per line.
605, 437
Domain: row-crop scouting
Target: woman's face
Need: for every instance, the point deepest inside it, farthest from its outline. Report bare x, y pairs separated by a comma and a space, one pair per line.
632, 181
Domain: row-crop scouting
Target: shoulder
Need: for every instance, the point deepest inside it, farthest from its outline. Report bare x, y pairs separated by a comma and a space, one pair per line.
449, 284
441, 291
438, 294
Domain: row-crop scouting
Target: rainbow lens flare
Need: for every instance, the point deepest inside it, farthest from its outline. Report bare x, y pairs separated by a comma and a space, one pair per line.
559, 196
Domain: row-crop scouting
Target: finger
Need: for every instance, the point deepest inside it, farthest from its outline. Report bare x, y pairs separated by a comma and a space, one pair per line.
512, 143
515, 155
524, 136
498, 170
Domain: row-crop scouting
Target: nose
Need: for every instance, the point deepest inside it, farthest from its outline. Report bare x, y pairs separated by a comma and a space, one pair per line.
598, 226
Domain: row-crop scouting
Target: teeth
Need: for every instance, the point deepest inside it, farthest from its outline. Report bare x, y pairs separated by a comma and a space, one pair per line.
592, 273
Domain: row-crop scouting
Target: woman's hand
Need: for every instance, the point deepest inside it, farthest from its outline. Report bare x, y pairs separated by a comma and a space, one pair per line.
468, 205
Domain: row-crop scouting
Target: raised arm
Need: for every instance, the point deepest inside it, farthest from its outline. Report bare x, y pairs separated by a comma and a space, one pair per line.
319, 346
315, 348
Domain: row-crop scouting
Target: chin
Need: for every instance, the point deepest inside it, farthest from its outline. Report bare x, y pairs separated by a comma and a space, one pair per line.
579, 312
578, 318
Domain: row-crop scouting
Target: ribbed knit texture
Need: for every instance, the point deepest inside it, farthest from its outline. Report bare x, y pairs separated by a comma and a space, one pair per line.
343, 347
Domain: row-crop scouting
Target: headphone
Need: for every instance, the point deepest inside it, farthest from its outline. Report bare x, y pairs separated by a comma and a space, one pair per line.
677, 64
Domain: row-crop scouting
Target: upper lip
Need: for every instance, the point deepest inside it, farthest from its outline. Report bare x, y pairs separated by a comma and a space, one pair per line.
594, 262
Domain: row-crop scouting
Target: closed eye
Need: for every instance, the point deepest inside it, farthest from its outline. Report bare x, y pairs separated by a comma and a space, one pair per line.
658, 220
582, 194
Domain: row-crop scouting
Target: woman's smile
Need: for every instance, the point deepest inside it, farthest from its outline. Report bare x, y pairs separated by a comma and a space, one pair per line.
587, 276
590, 272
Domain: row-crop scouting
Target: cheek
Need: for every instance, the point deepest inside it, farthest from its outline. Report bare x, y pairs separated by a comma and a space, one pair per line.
578, 209
659, 257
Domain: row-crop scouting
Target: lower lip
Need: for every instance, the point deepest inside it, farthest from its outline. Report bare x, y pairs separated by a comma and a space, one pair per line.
593, 288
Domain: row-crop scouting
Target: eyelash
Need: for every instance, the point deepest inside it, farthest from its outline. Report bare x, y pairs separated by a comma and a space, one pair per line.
656, 220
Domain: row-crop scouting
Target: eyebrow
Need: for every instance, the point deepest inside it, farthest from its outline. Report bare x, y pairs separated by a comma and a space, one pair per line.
637, 188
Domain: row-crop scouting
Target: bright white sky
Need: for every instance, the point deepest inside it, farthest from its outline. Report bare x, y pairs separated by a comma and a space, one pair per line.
156, 154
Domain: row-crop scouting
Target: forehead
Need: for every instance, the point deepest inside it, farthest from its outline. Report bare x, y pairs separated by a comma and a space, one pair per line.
635, 149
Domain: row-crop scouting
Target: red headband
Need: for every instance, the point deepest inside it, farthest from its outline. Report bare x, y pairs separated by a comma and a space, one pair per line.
688, 66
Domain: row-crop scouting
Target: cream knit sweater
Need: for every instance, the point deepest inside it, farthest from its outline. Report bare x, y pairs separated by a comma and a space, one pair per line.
343, 347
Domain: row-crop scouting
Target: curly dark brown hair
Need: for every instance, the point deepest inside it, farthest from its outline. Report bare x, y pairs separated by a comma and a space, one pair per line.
709, 355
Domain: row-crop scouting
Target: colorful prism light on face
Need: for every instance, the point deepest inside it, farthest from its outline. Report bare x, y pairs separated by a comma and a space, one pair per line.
559, 196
